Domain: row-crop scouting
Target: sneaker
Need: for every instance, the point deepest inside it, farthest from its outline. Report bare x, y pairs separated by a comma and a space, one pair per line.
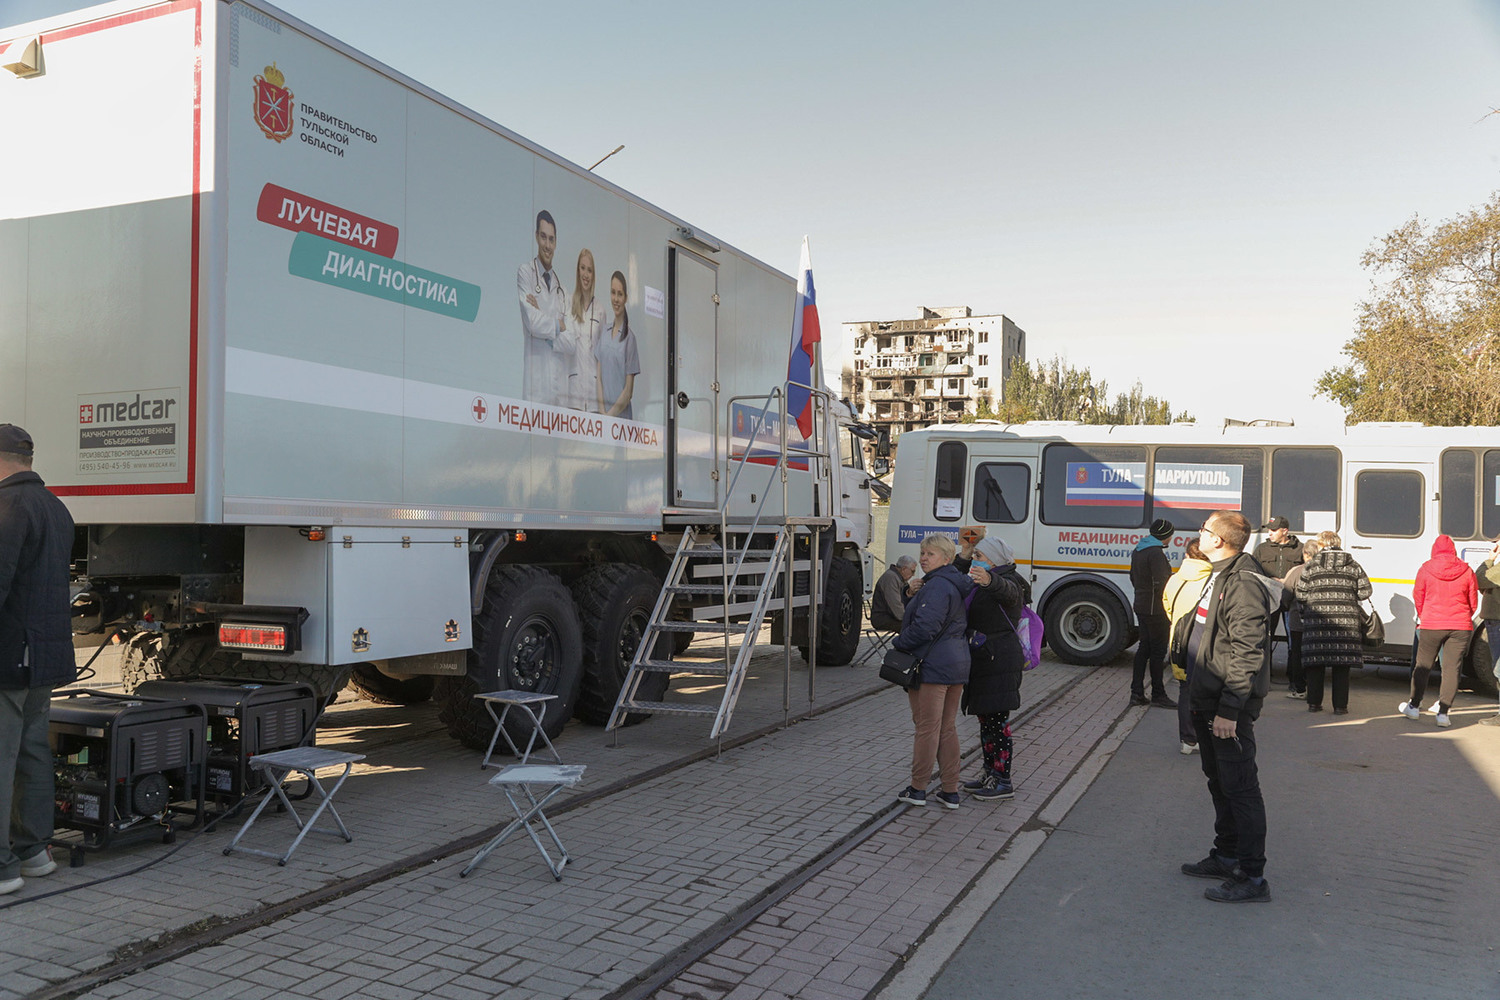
1409, 710
1240, 890
1138, 699
949, 800
1443, 721
995, 791
978, 782
1296, 694
11, 885
1212, 867
1188, 748
913, 797
39, 864
1162, 701
1437, 707
1493, 720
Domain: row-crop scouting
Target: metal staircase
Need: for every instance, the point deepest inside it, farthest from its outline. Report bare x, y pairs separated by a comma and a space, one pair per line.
745, 563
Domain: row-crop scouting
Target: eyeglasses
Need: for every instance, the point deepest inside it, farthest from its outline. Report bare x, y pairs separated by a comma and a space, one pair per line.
1205, 531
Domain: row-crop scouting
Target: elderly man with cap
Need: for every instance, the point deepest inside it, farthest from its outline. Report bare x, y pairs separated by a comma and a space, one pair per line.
1149, 573
36, 653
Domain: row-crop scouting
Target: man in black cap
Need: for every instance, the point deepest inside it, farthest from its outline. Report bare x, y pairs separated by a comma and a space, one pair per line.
1280, 551
1149, 573
36, 653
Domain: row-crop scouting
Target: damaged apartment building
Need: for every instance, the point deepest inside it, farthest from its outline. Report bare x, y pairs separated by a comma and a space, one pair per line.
912, 373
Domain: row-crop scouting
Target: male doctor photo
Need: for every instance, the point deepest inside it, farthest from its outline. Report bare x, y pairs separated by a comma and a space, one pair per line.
549, 344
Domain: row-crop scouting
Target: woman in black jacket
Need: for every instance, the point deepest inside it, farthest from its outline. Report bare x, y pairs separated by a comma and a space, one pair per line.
996, 658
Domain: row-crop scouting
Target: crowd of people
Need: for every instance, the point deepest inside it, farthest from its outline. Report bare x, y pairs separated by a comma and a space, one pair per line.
1213, 620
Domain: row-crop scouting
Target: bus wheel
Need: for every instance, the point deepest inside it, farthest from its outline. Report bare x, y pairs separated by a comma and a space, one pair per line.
1480, 678
1086, 625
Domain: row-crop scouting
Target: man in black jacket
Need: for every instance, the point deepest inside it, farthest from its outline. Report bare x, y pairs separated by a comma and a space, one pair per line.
1280, 551
36, 653
1229, 647
1149, 573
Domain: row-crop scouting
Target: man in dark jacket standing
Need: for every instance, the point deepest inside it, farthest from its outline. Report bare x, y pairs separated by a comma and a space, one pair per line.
1149, 573
1280, 551
1229, 647
36, 653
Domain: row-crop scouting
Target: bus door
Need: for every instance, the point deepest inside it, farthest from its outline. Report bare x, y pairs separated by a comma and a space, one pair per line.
1390, 522
1002, 498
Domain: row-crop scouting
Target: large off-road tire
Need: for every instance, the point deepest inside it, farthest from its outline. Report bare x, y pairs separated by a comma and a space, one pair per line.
373, 685
1477, 673
614, 605
1086, 625
841, 618
194, 653
526, 638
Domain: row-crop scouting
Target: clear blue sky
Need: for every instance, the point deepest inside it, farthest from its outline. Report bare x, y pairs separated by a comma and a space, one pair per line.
1172, 191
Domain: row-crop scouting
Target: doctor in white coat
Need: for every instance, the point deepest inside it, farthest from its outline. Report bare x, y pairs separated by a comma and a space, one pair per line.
550, 345
586, 320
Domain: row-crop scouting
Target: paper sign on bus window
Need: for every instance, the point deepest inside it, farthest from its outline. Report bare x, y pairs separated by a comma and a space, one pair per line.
1105, 484
1199, 487
950, 507
1314, 521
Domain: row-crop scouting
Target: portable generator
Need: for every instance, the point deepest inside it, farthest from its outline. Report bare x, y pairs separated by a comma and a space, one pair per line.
245, 718
126, 767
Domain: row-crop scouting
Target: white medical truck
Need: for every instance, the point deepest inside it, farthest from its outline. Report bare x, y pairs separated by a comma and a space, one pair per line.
1073, 500
335, 373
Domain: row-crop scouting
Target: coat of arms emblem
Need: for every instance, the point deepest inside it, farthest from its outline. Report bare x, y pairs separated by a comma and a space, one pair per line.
273, 104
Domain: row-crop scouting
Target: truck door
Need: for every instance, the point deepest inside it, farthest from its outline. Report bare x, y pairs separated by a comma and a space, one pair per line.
692, 380
1394, 522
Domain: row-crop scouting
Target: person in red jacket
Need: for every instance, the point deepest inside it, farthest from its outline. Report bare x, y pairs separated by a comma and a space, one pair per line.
1446, 597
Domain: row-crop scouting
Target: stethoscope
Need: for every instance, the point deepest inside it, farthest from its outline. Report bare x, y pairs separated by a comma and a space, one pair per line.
537, 273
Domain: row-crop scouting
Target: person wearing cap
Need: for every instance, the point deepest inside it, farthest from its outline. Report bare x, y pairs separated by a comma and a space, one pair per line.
1280, 551
36, 653
1149, 573
889, 601
996, 657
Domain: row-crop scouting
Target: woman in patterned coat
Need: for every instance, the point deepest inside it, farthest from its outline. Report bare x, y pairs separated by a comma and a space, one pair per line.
1328, 596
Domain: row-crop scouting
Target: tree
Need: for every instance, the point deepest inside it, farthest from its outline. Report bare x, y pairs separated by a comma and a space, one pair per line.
1055, 390
1426, 345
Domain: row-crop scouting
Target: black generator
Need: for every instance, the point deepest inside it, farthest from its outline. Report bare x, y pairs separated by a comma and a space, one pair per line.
126, 767
244, 718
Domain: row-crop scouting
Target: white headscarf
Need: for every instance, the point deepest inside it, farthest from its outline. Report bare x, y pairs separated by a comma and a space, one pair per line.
994, 551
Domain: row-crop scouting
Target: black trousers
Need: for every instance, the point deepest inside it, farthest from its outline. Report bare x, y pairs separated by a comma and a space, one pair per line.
1234, 785
1314, 677
1295, 677
1156, 633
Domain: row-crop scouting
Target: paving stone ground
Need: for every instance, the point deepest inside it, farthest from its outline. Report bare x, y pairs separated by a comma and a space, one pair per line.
655, 865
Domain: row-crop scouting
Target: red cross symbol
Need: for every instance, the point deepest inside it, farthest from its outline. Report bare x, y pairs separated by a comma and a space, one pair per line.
479, 409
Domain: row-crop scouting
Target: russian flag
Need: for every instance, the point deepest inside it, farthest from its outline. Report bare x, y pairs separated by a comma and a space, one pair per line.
804, 357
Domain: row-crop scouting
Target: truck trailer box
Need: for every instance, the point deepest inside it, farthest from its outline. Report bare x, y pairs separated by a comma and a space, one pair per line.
251, 276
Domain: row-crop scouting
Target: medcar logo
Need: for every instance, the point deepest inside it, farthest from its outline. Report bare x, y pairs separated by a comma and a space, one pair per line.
273, 104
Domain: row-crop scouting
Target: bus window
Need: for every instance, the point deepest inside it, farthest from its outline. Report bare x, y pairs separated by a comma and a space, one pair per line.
1303, 479
1000, 492
1100, 486
948, 499
1189, 484
1456, 488
1388, 502
1489, 494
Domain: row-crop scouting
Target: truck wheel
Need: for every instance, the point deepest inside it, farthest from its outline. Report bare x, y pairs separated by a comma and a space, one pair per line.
373, 685
614, 605
525, 639
680, 642
841, 618
1477, 672
194, 653
1086, 625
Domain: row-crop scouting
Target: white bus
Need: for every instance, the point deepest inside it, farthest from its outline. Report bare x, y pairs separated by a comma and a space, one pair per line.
1073, 500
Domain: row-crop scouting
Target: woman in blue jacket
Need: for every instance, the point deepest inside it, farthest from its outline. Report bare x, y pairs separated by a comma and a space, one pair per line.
934, 629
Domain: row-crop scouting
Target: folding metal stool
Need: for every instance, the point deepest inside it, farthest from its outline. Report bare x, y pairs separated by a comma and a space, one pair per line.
532, 705
516, 781
306, 761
